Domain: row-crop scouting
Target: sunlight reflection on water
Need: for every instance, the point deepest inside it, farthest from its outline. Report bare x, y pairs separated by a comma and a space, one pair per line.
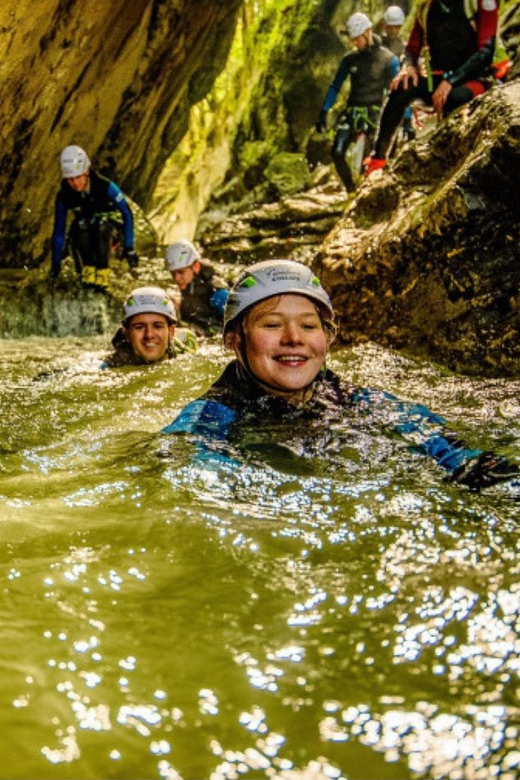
296, 617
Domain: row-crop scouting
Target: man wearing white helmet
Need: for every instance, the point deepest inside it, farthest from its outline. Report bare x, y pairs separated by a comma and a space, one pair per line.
371, 67
393, 20
279, 322
147, 333
93, 200
203, 293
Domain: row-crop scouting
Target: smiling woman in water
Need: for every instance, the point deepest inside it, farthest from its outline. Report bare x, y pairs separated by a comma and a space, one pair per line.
279, 322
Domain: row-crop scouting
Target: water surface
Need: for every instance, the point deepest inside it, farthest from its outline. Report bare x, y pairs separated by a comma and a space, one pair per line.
344, 614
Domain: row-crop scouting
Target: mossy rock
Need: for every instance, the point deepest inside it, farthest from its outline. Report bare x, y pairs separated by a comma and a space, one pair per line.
288, 172
146, 239
253, 158
253, 153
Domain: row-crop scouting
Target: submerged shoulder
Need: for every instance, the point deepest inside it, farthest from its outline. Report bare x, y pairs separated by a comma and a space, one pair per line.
336, 386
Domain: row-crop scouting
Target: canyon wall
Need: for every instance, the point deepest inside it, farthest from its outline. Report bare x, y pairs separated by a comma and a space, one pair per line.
114, 76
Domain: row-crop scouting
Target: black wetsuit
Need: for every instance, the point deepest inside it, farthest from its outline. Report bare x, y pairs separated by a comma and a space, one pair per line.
460, 52
202, 304
370, 71
236, 402
91, 229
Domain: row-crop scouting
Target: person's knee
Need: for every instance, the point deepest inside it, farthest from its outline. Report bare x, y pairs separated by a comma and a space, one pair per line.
337, 154
103, 231
339, 149
458, 97
401, 98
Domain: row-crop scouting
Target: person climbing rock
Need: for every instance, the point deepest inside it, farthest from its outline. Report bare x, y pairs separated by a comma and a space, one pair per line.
148, 333
279, 322
93, 201
203, 293
457, 39
371, 68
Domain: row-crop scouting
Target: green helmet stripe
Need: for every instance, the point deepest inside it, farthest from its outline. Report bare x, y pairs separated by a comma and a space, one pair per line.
268, 278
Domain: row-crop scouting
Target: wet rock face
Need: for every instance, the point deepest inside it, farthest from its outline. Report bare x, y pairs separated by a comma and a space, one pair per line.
427, 257
293, 226
117, 78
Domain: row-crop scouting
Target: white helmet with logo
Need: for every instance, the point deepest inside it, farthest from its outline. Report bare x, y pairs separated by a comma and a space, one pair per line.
357, 24
394, 15
149, 300
180, 255
273, 277
74, 162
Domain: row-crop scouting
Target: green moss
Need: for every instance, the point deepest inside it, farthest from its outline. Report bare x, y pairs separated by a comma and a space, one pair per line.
288, 172
263, 104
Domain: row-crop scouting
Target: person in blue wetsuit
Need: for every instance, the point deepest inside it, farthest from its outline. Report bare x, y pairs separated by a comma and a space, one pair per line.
279, 322
203, 293
92, 199
371, 69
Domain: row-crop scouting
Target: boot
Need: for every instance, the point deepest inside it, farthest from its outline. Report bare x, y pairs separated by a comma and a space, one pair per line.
103, 278
88, 275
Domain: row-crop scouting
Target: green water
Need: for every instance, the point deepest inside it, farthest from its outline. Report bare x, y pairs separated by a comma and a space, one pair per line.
348, 615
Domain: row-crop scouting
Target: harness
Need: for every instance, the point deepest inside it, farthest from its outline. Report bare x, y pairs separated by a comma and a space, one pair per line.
362, 117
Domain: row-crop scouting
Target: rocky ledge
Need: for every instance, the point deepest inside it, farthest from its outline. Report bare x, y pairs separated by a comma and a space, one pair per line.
293, 226
426, 256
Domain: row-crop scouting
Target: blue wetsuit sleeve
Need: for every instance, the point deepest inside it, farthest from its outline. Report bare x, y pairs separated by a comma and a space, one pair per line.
58, 235
424, 429
427, 432
121, 204
218, 300
393, 68
209, 419
336, 84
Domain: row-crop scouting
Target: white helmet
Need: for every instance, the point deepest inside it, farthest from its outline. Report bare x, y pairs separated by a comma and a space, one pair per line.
273, 277
182, 254
357, 24
149, 300
74, 162
394, 15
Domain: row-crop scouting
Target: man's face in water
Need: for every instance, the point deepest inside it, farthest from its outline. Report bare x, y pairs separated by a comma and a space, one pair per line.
285, 344
149, 336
